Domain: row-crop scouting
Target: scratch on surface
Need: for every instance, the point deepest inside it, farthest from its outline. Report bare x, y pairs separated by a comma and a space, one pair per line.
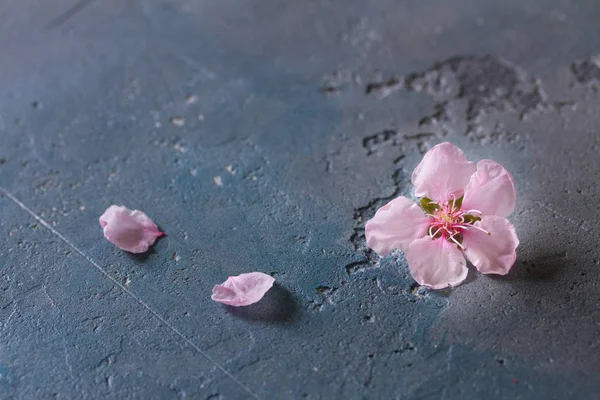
67, 361
202, 73
69, 13
13, 312
449, 357
69, 365
126, 290
572, 221
48, 296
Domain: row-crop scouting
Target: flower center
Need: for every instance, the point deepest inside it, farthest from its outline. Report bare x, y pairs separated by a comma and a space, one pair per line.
448, 220
445, 217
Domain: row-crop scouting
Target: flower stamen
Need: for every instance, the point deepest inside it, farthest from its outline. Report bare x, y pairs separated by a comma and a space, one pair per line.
452, 202
481, 229
456, 241
448, 220
472, 211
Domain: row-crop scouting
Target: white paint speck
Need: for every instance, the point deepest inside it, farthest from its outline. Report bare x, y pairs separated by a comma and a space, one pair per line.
229, 168
193, 172
191, 99
200, 117
177, 121
179, 147
218, 181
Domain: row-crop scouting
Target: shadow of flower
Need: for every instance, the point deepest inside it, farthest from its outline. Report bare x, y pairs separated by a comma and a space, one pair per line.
540, 268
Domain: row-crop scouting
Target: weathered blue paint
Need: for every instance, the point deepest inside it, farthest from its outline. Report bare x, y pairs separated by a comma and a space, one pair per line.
146, 103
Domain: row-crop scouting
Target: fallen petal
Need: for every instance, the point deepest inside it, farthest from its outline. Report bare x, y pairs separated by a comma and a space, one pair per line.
436, 263
243, 290
129, 230
395, 226
491, 190
494, 253
444, 172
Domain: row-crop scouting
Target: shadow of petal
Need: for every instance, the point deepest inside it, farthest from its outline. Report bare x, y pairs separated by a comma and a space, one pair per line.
142, 257
278, 305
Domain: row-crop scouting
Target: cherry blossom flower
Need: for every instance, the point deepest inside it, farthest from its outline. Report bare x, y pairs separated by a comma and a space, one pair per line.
462, 213
130, 230
243, 290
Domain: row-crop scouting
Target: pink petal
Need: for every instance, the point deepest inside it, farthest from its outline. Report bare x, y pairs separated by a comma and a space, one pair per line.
243, 290
395, 226
491, 190
130, 230
436, 263
495, 253
443, 172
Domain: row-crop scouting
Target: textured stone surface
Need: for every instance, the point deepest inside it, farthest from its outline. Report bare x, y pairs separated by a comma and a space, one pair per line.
260, 136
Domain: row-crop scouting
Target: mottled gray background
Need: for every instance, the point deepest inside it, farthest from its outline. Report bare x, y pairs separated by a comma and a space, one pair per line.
313, 114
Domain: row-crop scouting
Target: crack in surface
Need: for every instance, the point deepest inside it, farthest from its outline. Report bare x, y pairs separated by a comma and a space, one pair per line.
69, 14
419, 142
481, 86
587, 71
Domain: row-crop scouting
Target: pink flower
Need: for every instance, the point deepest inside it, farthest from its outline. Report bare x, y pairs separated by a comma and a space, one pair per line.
463, 214
130, 230
243, 290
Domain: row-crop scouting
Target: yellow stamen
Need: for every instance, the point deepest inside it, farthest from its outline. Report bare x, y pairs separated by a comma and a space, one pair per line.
445, 217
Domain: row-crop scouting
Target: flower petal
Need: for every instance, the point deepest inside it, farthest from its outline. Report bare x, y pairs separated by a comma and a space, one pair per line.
243, 290
495, 253
444, 172
395, 225
130, 230
436, 263
491, 190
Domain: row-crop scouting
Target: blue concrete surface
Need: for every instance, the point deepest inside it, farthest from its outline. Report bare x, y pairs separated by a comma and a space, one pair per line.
260, 136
